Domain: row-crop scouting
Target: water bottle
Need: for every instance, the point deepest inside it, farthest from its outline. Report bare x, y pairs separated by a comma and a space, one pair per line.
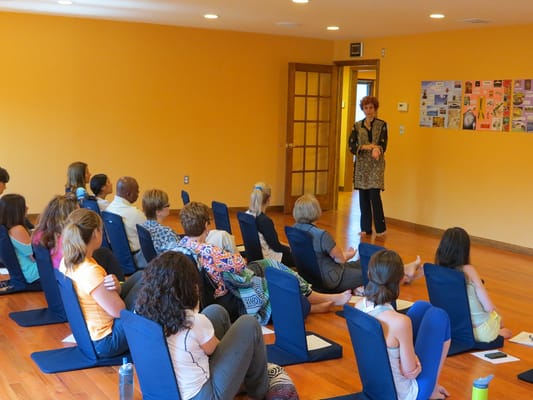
480, 388
125, 379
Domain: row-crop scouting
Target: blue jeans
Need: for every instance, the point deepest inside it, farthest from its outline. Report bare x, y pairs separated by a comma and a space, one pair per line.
240, 356
115, 343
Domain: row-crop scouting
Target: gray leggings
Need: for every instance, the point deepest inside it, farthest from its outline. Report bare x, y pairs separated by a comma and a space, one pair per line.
239, 357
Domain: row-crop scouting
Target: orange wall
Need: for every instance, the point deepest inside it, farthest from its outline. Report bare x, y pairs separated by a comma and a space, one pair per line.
154, 102
443, 177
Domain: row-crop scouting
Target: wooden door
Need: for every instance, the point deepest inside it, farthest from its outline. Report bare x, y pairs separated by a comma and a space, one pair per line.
311, 140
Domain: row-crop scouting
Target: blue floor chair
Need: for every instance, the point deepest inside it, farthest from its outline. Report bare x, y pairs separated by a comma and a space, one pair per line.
81, 356
146, 242
150, 354
120, 245
371, 355
447, 290
8, 259
290, 346
55, 312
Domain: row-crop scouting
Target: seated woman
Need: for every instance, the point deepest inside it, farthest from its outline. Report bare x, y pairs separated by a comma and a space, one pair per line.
211, 357
78, 176
100, 294
194, 218
337, 272
50, 226
454, 252
101, 186
417, 343
12, 216
156, 208
270, 245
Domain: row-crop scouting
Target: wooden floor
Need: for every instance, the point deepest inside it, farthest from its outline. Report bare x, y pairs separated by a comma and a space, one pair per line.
508, 278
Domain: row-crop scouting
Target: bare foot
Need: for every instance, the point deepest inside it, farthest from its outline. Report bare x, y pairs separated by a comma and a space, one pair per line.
413, 270
321, 307
439, 392
506, 333
341, 299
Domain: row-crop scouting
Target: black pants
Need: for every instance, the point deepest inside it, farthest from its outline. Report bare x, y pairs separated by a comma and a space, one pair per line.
371, 205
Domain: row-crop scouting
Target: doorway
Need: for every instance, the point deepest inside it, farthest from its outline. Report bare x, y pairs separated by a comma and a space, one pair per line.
357, 80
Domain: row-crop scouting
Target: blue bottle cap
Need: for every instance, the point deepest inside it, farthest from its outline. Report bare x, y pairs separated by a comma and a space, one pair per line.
483, 383
124, 360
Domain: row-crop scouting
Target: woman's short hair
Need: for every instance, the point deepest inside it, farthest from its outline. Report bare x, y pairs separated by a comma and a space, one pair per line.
170, 288
306, 209
12, 210
154, 200
385, 272
77, 234
193, 218
369, 100
98, 181
76, 175
54, 218
454, 248
258, 198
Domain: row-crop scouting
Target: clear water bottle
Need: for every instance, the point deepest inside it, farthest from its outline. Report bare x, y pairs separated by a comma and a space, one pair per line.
125, 379
480, 388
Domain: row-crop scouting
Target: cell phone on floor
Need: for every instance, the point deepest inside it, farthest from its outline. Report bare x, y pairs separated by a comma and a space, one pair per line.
496, 354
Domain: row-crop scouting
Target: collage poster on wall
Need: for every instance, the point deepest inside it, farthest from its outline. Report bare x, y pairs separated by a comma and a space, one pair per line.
487, 105
522, 120
440, 104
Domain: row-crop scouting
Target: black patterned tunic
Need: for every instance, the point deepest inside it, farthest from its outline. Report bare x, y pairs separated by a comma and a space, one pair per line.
368, 172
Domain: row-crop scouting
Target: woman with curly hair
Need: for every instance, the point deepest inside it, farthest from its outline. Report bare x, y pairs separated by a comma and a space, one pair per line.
211, 357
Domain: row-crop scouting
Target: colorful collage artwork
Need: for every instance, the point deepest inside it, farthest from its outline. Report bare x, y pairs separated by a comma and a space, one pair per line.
522, 106
440, 104
487, 105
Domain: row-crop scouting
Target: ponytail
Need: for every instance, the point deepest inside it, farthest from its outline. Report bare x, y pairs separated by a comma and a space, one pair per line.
77, 234
259, 197
385, 271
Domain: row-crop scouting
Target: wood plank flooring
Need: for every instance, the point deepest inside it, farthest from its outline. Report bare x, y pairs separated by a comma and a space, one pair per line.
508, 278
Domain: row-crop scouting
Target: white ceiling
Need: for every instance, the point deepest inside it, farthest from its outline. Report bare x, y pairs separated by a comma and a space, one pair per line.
357, 19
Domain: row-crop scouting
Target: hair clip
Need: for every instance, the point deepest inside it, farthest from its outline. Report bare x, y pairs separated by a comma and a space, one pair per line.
258, 188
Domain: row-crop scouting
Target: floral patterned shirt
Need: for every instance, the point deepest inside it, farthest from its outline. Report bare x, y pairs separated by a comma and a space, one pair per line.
215, 261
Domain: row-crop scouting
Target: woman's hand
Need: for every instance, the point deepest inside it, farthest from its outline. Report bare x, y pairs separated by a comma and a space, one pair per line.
376, 152
415, 372
111, 283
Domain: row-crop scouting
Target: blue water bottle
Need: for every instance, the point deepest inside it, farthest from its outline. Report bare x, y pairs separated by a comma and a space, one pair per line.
125, 379
480, 388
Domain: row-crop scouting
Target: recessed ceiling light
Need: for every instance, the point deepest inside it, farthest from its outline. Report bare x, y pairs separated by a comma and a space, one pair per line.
332, 28
64, 2
300, 1
210, 16
437, 16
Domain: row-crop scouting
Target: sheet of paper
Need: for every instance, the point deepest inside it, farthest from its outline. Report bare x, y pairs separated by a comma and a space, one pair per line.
266, 331
3, 271
314, 342
503, 360
523, 338
69, 339
355, 299
403, 304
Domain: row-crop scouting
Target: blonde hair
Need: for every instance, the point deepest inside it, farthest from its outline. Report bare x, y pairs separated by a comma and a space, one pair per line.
306, 209
260, 195
153, 201
77, 234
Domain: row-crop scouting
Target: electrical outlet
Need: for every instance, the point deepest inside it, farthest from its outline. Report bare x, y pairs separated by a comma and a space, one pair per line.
186, 179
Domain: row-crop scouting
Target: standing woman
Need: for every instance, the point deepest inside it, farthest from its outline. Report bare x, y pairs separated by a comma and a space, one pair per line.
12, 216
78, 176
270, 245
368, 142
